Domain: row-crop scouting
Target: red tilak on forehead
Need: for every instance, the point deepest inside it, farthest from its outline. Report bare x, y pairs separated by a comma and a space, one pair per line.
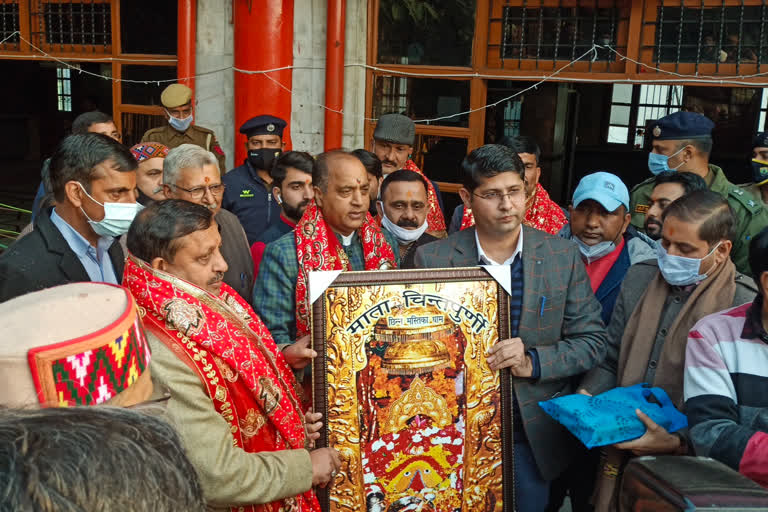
207, 179
358, 181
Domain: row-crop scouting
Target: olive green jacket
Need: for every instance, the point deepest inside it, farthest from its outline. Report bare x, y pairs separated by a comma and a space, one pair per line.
751, 214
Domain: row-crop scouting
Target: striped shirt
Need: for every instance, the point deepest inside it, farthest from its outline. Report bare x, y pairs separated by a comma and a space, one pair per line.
726, 389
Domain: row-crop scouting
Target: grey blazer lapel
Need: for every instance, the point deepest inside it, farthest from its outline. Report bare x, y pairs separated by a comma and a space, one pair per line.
464, 252
533, 277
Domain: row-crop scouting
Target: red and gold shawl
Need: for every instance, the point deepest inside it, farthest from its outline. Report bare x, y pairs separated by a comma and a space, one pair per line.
317, 248
233, 353
541, 213
435, 220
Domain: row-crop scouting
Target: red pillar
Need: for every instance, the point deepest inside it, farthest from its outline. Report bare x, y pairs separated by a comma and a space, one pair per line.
263, 40
186, 46
334, 74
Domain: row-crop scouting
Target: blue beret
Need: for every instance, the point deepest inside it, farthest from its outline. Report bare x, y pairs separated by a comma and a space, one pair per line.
760, 140
681, 126
263, 125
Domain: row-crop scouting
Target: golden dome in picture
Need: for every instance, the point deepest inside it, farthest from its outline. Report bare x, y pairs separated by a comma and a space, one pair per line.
417, 340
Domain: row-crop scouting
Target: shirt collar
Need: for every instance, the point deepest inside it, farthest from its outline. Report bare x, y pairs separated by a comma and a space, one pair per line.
346, 241
75, 240
483, 259
753, 323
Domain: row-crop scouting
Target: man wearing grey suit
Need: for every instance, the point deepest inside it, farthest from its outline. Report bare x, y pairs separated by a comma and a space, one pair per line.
556, 329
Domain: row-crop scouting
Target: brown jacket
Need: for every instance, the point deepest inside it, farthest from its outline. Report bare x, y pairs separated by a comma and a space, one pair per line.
228, 475
196, 135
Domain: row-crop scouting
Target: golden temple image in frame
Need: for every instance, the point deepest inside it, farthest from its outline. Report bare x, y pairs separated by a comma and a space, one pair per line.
409, 402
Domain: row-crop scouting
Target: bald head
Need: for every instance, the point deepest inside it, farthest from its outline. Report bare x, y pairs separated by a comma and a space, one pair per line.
341, 190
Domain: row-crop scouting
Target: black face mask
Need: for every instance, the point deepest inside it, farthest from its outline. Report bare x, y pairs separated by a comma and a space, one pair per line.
263, 158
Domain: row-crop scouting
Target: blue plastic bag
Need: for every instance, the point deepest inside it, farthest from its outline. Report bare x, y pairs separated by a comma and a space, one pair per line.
610, 417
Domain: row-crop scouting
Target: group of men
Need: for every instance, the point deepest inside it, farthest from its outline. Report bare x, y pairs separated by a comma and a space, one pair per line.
622, 287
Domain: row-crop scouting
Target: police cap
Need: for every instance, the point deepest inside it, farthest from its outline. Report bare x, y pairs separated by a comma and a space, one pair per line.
263, 125
176, 95
760, 140
682, 126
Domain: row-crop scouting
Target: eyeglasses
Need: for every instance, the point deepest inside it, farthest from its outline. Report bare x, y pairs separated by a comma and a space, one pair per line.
197, 193
498, 197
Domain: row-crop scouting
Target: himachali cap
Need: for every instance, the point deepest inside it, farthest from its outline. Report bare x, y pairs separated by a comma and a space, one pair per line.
75, 344
263, 125
760, 140
682, 126
147, 150
176, 95
603, 187
395, 128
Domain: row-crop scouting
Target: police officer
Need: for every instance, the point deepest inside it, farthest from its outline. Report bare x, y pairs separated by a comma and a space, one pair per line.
249, 194
759, 185
177, 100
682, 142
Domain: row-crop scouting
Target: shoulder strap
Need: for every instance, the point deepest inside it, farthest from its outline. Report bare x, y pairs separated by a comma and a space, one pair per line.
745, 199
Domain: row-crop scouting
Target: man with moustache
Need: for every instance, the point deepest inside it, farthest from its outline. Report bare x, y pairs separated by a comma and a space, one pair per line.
667, 187
403, 212
191, 173
392, 143
541, 212
292, 189
335, 233
232, 393
554, 317
149, 175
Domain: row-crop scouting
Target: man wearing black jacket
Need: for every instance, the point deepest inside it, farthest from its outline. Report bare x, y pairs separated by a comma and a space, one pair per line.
93, 181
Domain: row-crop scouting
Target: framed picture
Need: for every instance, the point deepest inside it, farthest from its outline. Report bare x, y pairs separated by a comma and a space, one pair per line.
418, 417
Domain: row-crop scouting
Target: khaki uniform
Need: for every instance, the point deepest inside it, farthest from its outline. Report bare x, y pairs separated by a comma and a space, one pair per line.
228, 475
755, 190
751, 215
196, 135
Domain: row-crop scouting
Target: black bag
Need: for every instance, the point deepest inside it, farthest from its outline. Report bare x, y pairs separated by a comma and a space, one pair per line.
676, 483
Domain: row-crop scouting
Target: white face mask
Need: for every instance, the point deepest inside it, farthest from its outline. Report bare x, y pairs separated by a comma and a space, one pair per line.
117, 217
679, 270
592, 253
404, 236
180, 124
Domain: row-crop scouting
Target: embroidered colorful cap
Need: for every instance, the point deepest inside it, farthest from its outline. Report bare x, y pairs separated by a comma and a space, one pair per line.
147, 150
603, 187
75, 344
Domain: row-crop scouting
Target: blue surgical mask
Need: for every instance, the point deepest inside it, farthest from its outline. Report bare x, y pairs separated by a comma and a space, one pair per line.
658, 164
592, 253
117, 217
679, 270
180, 124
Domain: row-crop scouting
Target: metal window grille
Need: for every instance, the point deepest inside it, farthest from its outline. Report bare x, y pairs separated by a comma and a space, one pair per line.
64, 89
710, 32
9, 22
64, 23
762, 123
633, 106
532, 32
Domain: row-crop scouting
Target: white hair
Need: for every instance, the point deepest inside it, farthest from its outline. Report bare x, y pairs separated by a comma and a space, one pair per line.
183, 157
